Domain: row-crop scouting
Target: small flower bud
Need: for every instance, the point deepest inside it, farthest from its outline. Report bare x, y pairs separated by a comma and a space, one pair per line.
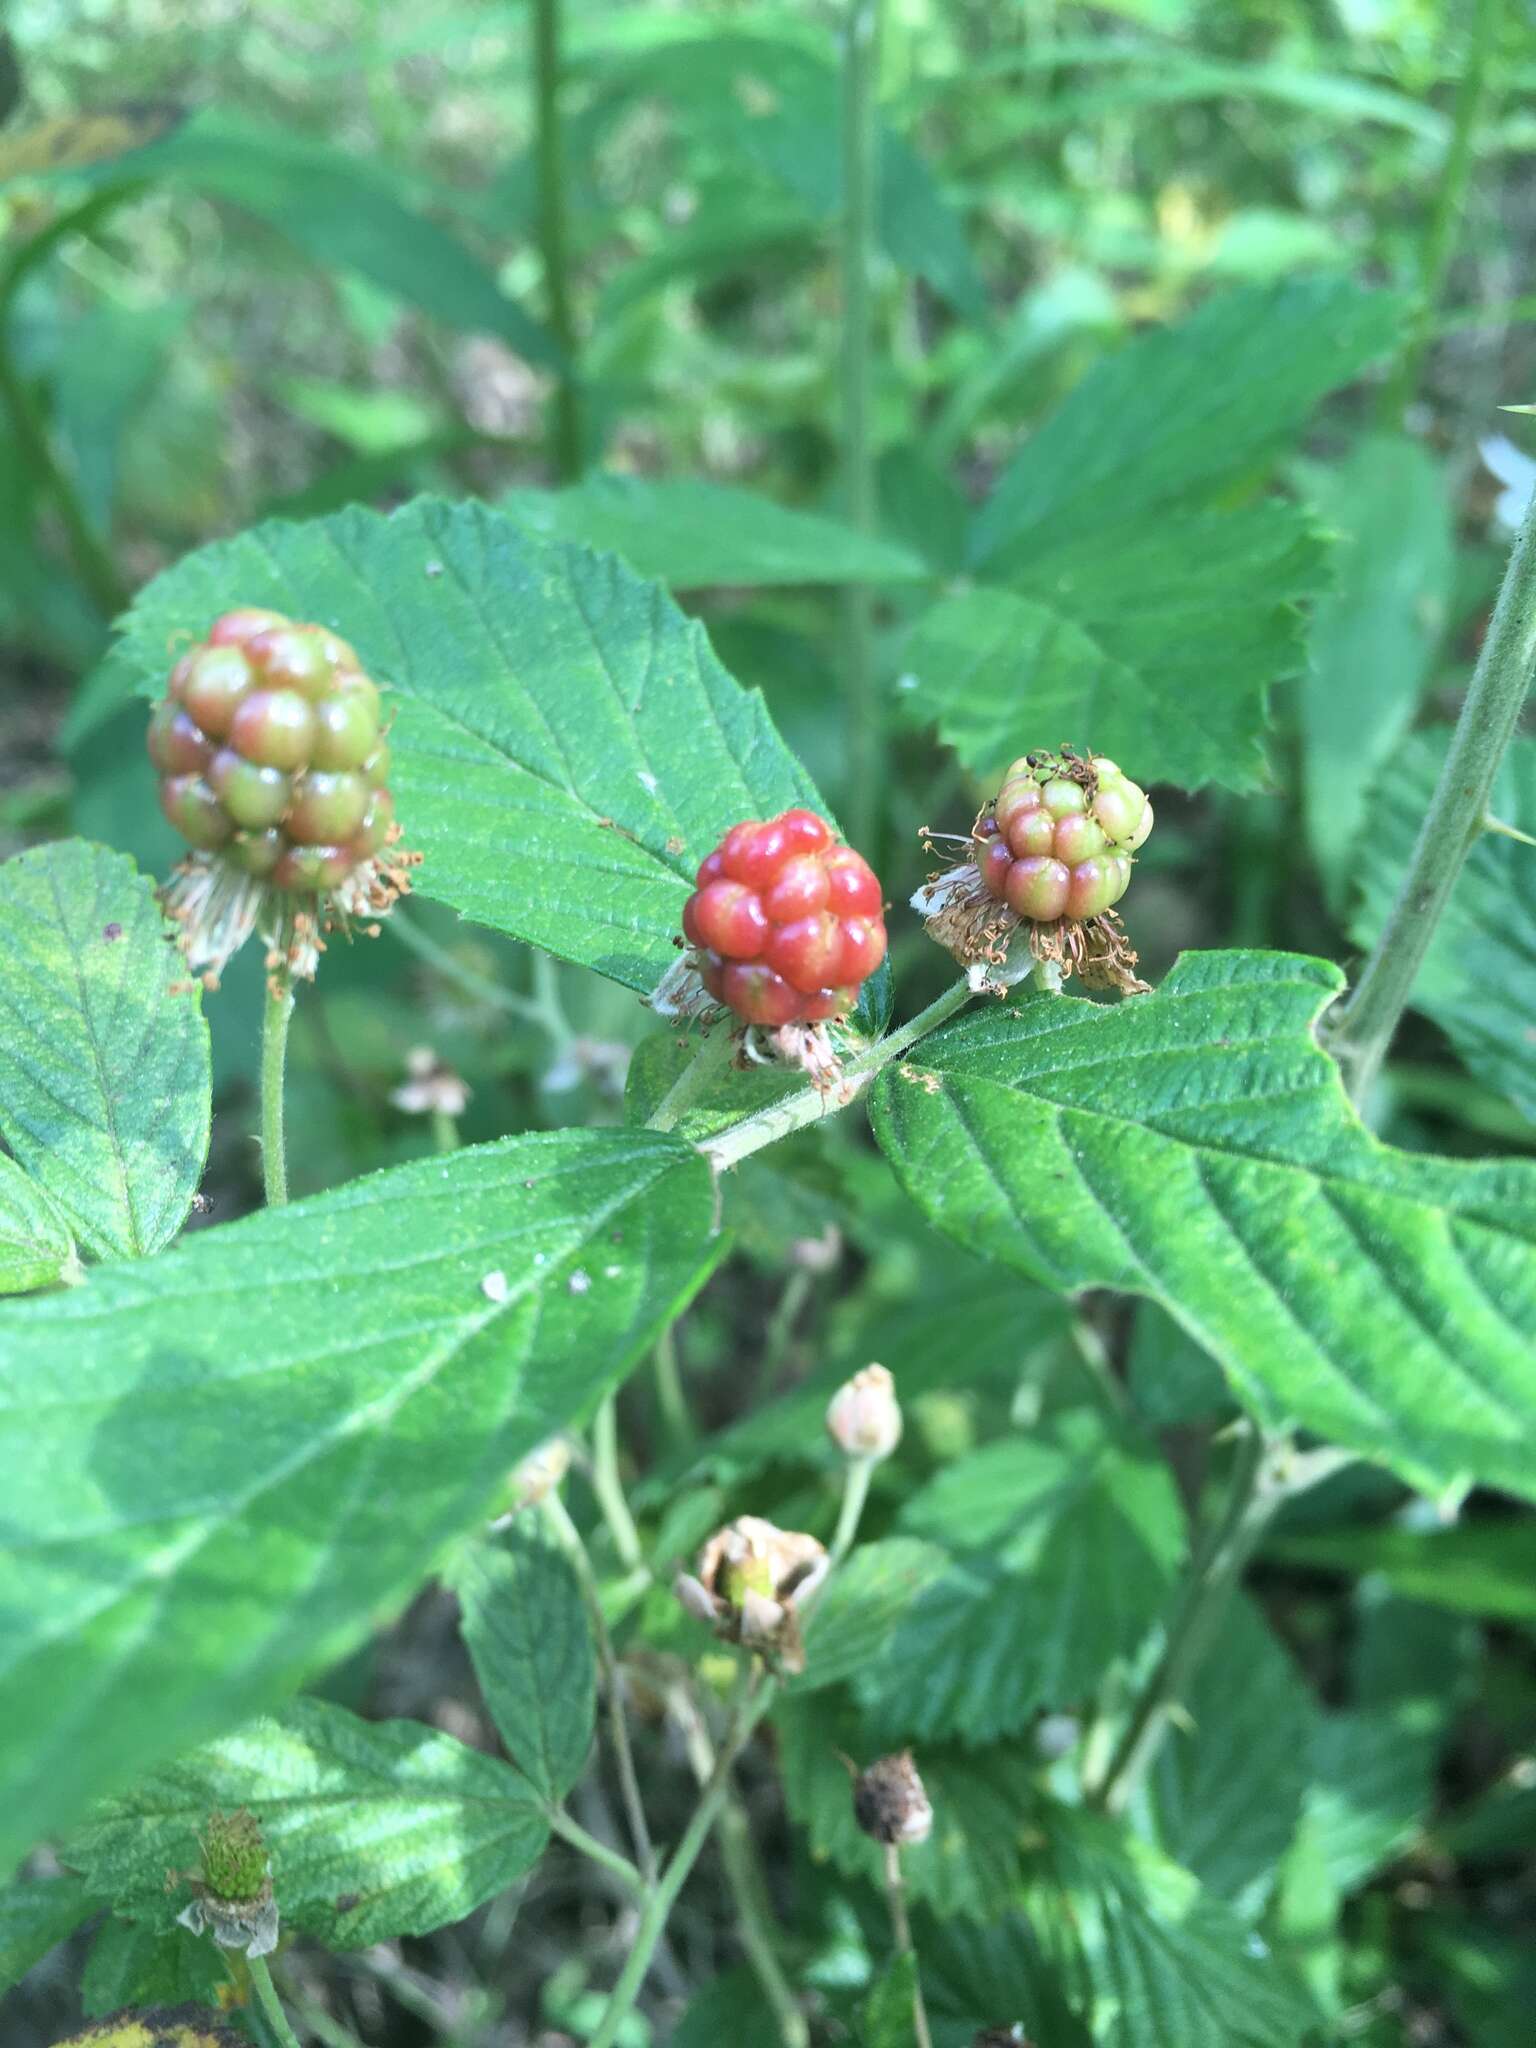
538, 1475
890, 1804
430, 1086
751, 1580
863, 1416
232, 1892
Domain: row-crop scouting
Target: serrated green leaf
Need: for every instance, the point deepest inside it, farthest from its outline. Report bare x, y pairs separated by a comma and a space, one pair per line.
1063, 1545
686, 533
338, 208
1152, 1958
1478, 980
1373, 633
730, 2007
374, 1828
226, 1459
530, 1641
992, 1975
34, 1916
104, 1083
984, 1808
36, 1249
886, 2020
1228, 1784
567, 748
851, 1623
1195, 1146
1179, 413
1155, 646
131, 1964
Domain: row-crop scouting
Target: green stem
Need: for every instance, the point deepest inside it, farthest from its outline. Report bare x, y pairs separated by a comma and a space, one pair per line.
92, 559
571, 1831
609, 1488
479, 987
670, 1394
865, 741
554, 237
744, 1877
271, 2004
809, 1105
445, 1132
1489, 715
901, 1930
568, 1536
1439, 241
693, 1081
751, 1706
274, 1054
855, 1493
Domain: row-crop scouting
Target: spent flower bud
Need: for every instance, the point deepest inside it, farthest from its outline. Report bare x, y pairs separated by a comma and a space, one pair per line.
232, 1891
864, 1417
751, 1581
890, 1804
537, 1476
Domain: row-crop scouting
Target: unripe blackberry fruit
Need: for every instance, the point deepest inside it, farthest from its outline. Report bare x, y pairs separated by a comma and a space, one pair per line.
786, 922
1058, 841
272, 761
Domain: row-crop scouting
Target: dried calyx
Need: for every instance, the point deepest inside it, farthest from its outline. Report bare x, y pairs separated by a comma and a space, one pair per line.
232, 1888
890, 1802
273, 764
751, 1584
1049, 857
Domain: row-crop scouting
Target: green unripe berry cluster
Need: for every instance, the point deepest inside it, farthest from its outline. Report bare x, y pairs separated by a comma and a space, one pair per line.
270, 749
1057, 842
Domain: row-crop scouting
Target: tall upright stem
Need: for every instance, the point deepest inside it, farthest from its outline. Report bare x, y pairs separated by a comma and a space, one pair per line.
1363, 1030
1439, 241
554, 239
274, 1057
856, 246
901, 1930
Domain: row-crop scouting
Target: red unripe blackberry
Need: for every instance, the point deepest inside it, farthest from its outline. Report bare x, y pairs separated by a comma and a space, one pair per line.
786, 922
270, 749
1058, 841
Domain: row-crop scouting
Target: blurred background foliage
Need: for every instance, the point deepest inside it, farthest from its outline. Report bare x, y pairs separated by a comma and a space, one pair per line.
261, 259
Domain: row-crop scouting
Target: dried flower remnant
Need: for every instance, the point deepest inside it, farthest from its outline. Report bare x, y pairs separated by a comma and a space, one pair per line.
273, 764
891, 1804
751, 1583
1050, 857
232, 1889
431, 1087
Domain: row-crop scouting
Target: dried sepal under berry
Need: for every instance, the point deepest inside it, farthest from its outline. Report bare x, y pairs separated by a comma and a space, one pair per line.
784, 926
273, 762
1050, 856
232, 1887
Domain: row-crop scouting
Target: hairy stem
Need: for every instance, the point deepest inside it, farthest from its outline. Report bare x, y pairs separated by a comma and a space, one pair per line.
855, 1493
808, 1105
568, 1536
865, 737
554, 236
1450, 200
901, 1930
274, 1056
571, 1831
752, 1704
1364, 1028
271, 2004
744, 1877
713, 1054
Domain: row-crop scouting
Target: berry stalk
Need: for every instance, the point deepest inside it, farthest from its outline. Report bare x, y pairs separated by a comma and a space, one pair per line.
271, 2004
1457, 810
274, 1060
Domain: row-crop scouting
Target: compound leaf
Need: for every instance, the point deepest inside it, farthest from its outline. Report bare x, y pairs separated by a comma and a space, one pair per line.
104, 1079
1195, 1146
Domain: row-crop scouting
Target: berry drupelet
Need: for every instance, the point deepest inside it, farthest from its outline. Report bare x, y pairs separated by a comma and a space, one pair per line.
1050, 856
273, 765
786, 922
